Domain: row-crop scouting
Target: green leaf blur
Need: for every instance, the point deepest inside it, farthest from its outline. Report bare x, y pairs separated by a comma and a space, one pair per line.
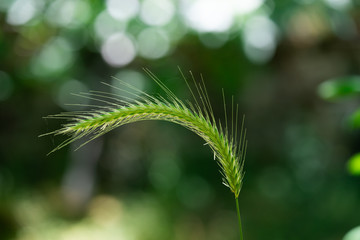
340, 87
354, 164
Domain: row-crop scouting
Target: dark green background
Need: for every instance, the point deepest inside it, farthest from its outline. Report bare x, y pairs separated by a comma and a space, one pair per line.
156, 180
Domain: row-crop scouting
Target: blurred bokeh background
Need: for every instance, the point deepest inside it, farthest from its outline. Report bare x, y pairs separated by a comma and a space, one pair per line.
293, 67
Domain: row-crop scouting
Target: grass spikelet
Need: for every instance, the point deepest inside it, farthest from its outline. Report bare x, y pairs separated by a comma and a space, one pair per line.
228, 146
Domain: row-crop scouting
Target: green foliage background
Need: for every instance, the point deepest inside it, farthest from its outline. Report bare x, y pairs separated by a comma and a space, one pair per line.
155, 180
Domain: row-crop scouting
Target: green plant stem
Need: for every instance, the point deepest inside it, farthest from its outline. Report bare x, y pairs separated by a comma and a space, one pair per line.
239, 217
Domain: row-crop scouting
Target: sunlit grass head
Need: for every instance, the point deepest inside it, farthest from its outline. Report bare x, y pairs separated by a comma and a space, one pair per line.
228, 143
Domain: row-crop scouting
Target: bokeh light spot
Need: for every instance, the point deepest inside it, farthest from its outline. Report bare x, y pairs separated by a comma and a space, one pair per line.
153, 43
55, 57
338, 4
118, 50
176, 30
105, 210
122, 9
105, 25
260, 41
209, 15
354, 234
131, 77
157, 12
64, 95
327, 90
68, 13
22, 11
6, 86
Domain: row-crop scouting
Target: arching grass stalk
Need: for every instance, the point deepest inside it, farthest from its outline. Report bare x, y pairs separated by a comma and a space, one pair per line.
228, 146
